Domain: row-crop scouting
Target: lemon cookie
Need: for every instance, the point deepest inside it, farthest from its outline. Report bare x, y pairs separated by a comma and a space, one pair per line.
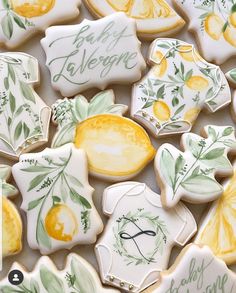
117, 147
155, 18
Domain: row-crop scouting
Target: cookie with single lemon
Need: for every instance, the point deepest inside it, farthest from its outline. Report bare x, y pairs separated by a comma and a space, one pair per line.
117, 147
57, 198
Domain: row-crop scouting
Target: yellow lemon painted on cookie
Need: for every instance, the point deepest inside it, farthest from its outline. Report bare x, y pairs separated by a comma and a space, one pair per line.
61, 223
197, 83
187, 53
116, 146
161, 111
191, 115
213, 26
232, 19
220, 232
32, 8
160, 69
230, 35
12, 228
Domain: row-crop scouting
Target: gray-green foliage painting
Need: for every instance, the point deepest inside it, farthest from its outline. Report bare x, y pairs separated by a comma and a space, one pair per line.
7, 189
75, 279
50, 176
68, 113
17, 100
135, 220
192, 172
10, 19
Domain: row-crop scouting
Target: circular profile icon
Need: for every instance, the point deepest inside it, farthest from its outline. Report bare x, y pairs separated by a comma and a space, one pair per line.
15, 277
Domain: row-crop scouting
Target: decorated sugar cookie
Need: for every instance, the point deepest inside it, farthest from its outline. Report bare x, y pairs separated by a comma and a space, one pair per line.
231, 76
78, 276
214, 23
155, 18
57, 199
178, 86
93, 54
139, 236
20, 19
195, 270
99, 128
217, 229
24, 117
190, 175
11, 220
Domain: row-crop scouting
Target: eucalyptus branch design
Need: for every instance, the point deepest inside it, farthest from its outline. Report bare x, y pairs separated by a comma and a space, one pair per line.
10, 19
158, 231
12, 107
76, 278
50, 176
192, 172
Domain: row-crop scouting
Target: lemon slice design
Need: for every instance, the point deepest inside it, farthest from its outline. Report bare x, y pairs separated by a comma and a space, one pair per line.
219, 227
154, 17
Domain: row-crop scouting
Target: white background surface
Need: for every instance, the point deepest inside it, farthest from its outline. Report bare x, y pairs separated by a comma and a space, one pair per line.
28, 257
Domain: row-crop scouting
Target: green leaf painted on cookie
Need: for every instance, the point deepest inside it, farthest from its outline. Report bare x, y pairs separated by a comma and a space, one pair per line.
208, 185
51, 283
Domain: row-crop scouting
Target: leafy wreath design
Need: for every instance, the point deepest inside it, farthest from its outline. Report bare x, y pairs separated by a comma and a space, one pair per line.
160, 234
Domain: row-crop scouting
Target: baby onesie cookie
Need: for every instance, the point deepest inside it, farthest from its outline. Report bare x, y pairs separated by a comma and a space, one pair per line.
77, 276
214, 23
57, 199
11, 220
21, 19
217, 229
99, 128
190, 175
139, 236
196, 270
93, 54
178, 86
24, 117
155, 18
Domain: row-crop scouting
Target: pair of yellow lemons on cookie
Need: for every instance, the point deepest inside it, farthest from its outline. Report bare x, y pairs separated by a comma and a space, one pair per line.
215, 28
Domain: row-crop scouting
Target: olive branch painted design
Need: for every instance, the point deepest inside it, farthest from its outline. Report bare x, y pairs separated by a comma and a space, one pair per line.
192, 172
48, 177
231, 76
68, 113
158, 231
10, 19
76, 278
11, 107
8, 190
